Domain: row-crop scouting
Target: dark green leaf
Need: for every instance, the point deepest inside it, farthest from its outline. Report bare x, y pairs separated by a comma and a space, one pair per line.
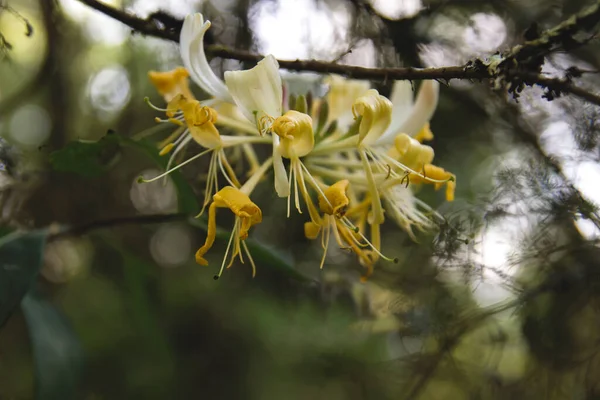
20, 260
89, 159
56, 351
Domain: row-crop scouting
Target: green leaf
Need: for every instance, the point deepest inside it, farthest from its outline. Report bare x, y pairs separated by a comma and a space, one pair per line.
20, 261
85, 158
92, 159
56, 351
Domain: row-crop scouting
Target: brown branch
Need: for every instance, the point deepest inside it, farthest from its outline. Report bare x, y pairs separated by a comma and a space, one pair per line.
155, 25
83, 229
558, 37
150, 26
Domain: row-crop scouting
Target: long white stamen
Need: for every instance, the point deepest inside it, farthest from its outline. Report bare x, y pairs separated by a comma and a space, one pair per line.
220, 155
142, 180
245, 246
147, 100
229, 141
233, 231
325, 242
298, 171
289, 197
375, 199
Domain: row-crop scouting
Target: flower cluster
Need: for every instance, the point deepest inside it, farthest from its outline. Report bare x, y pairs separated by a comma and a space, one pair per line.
350, 159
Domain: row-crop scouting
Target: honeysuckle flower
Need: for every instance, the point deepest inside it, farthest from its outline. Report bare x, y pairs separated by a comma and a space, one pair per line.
247, 214
357, 153
334, 203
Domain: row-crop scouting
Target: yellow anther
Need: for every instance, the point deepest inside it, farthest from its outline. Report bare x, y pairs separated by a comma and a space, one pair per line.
176, 122
167, 149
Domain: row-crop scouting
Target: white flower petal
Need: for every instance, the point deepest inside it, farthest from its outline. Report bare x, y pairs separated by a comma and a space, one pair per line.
420, 113
402, 100
257, 91
423, 109
194, 59
282, 184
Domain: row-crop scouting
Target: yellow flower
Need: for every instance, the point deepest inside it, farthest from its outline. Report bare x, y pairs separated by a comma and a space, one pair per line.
246, 214
334, 204
335, 201
296, 133
200, 122
340, 97
171, 83
376, 113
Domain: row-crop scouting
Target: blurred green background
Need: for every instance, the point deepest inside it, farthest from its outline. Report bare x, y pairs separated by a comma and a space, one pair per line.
500, 302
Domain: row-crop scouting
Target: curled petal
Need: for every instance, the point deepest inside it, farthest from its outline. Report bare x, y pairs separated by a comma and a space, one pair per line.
412, 153
240, 204
376, 113
191, 43
258, 91
341, 96
296, 133
336, 201
200, 122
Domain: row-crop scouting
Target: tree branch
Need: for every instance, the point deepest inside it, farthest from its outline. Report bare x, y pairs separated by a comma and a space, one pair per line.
514, 70
83, 229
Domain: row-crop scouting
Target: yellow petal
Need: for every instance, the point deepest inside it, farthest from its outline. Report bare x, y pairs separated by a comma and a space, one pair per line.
296, 132
311, 230
171, 83
412, 153
424, 134
337, 200
376, 113
341, 95
257, 91
240, 204
200, 121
